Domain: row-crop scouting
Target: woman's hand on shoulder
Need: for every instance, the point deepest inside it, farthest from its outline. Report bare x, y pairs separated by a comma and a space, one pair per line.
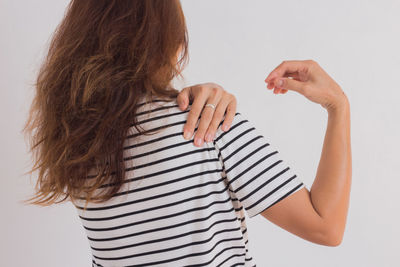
202, 94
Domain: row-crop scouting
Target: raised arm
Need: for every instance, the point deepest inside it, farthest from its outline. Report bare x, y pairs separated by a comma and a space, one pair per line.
318, 215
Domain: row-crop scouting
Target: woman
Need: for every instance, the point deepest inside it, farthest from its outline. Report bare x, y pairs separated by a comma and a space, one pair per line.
109, 138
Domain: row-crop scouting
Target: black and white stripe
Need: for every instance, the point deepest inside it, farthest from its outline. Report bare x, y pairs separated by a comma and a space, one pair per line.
182, 205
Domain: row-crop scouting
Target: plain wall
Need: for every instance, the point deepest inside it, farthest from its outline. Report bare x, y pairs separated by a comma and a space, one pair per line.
236, 44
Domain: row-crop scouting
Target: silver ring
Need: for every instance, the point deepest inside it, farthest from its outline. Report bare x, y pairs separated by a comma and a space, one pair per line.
211, 105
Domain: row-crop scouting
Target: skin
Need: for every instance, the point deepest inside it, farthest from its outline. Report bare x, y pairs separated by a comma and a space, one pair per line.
318, 215
202, 94
210, 119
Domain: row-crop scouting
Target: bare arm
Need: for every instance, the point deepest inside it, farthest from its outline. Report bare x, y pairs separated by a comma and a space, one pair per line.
330, 191
319, 215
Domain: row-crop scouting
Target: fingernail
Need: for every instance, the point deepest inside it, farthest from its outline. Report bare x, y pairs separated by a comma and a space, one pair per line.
198, 141
225, 127
280, 82
208, 137
186, 135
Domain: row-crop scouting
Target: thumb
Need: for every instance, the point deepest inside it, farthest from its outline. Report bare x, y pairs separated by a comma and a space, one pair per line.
289, 84
183, 98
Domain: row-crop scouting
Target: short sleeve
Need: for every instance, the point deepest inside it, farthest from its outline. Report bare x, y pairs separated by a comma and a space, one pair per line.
255, 171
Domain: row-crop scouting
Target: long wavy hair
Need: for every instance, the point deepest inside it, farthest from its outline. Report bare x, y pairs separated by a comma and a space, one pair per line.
103, 57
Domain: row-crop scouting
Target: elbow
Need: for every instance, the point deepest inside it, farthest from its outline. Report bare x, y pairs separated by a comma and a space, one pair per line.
326, 236
333, 231
333, 238
334, 241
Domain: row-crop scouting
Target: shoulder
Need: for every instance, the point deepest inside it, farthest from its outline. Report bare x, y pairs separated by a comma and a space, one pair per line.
240, 124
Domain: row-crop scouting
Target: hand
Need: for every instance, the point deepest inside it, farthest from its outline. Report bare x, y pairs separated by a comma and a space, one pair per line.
309, 79
210, 119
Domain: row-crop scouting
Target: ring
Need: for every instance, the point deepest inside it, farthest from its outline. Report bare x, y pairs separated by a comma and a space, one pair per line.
211, 105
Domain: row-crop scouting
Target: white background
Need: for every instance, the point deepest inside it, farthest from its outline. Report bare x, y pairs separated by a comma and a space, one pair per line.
236, 44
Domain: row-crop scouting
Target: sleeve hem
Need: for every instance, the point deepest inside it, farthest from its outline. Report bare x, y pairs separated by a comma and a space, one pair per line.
264, 205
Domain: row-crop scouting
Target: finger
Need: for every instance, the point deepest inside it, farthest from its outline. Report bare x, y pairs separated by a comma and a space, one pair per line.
230, 114
183, 98
291, 66
294, 75
205, 120
290, 84
285, 66
278, 90
217, 118
194, 113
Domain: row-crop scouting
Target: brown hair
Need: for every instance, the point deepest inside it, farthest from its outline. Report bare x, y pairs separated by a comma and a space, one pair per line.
103, 57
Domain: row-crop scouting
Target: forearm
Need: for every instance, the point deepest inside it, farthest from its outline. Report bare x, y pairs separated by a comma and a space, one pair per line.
330, 191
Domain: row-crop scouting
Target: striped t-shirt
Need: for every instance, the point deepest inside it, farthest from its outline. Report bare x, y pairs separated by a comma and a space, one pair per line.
183, 205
